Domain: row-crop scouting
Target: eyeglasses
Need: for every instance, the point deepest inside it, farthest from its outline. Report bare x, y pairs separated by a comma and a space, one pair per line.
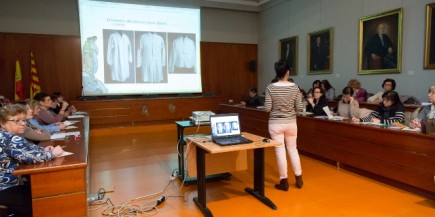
19, 121
317, 92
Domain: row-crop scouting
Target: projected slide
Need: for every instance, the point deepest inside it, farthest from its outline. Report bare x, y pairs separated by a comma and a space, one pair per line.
139, 49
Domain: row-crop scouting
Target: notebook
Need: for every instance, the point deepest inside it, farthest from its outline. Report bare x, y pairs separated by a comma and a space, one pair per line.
225, 130
330, 116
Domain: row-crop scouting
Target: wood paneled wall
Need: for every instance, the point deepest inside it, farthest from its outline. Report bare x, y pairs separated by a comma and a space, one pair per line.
57, 58
225, 66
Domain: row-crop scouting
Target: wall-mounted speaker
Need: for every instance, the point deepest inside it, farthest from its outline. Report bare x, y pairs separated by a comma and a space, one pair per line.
252, 65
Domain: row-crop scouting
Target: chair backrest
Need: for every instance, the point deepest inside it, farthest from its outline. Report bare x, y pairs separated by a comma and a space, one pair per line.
428, 126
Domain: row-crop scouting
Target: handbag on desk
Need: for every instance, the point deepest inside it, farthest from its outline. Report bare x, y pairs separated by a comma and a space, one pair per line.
428, 126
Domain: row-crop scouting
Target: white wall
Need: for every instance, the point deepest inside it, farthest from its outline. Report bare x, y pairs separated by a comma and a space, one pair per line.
299, 17
61, 17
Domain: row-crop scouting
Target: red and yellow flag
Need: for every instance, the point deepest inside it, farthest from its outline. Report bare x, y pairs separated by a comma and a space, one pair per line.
19, 88
34, 80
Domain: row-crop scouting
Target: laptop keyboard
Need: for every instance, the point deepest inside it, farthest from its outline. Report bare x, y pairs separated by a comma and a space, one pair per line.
232, 141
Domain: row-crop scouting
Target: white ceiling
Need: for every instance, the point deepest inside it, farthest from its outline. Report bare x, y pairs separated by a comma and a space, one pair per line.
256, 3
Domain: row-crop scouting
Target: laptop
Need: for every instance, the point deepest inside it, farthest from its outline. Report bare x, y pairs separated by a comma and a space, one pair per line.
225, 130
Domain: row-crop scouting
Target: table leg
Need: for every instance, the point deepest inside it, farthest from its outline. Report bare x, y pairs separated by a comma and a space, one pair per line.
200, 201
180, 147
258, 191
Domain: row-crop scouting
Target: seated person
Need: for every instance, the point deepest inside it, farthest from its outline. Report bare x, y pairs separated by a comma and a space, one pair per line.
45, 115
389, 111
15, 150
316, 83
33, 122
329, 90
317, 102
348, 106
304, 98
4, 101
253, 100
360, 94
388, 84
57, 98
32, 133
427, 112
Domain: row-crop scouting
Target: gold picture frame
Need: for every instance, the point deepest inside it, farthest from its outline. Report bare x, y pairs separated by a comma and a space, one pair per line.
429, 45
380, 43
320, 43
288, 51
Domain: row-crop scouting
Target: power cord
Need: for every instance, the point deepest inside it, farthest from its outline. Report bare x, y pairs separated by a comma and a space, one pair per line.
130, 207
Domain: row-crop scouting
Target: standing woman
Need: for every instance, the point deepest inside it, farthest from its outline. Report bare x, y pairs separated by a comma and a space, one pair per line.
15, 150
282, 101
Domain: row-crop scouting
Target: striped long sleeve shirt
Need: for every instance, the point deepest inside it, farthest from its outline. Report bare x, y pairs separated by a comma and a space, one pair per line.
387, 115
283, 100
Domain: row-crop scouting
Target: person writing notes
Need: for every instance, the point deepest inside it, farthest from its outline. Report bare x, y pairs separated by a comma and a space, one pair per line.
427, 112
389, 111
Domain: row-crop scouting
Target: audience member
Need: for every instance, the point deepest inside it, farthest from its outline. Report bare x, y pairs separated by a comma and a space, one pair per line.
57, 98
4, 101
317, 102
15, 150
283, 101
360, 94
388, 84
316, 83
304, 98
52, 128
348, 107
427, 112
329, 90
45, 115
253, 100
31, 133
389, 111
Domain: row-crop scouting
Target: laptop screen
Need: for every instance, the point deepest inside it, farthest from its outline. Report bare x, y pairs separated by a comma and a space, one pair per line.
224, 125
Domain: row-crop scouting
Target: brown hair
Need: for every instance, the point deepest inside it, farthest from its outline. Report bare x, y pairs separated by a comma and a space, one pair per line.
353, 83
11, 110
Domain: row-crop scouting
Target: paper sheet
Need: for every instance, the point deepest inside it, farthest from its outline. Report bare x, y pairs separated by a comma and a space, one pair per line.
76, 116
66, 153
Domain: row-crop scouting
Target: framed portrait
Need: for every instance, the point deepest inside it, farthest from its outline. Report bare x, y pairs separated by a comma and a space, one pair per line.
319, 60
288, 51
380, 43
429, 45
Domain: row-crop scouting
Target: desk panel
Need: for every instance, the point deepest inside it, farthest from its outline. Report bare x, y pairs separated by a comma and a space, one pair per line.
401, 158
61, 182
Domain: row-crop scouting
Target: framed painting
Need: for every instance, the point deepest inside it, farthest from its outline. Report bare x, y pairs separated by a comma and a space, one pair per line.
319, 59
288, 51
429, 45
380, 43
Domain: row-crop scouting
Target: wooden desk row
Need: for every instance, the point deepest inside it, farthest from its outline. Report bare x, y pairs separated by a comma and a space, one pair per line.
59, 186
401, 158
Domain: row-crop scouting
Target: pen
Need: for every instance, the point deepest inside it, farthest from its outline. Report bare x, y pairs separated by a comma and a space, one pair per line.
63, 147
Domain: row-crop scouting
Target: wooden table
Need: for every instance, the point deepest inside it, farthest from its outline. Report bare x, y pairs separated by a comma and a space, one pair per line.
59, 186
208, 147
181, 143
400, 158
